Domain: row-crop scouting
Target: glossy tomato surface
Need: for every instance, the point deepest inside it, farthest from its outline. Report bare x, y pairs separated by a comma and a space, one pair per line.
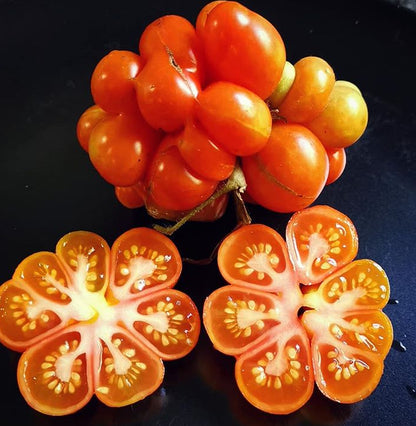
49, 188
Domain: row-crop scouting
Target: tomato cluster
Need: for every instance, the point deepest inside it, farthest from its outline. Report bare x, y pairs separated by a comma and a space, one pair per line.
172, 121
94, 320
329, 330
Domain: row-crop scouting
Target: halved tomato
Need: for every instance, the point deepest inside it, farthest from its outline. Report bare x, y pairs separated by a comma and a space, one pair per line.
320, 240
91, 320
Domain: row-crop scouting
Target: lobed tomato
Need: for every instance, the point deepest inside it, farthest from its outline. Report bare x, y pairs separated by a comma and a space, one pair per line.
86, 123
337, 159
176, 36
289, 173
202, 155
112, 82
342, 336
165, 93
121, 147
309, 93
132, 196
170, 184
241, 47
234, 117
344, 118
90, 320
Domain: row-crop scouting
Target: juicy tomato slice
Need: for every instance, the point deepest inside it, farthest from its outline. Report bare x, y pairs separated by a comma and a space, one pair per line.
168, 320
126, 371
255, 256
348, 352
84, 334
276, 376
350, 334
320, 240
55, 376
143, 260
236, 318
362, 284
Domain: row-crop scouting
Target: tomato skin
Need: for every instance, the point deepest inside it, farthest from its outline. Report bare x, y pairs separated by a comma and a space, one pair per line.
337, 161
132, 196
203, 15
86, 123
121, 148
112, 84
344, 119
317, 251
242, 47
234, 117
202, 155
290, 172
176, 35
165, 93
169, 182
310, 91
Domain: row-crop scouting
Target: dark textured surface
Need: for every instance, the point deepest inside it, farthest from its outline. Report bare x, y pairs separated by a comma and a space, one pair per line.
48, 52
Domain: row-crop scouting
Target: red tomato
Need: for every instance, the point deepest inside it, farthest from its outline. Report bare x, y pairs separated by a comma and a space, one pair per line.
165, 92
255, 319
121, 148
320, 240
350, 335
112, 85
95, 321
86, 123
241, 47
289, 173
310, 91
337, 161
176, 36
132, 196
170, 184
202, 155
234, 117
203, 14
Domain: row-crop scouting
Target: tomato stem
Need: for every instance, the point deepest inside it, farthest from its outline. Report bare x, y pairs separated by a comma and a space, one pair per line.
236, 183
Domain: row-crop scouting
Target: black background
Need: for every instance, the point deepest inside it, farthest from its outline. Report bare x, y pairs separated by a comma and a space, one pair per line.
48, 186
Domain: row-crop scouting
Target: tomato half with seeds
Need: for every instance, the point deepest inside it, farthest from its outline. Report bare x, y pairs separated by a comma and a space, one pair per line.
255, 319
90, 320
350, 335
320, 240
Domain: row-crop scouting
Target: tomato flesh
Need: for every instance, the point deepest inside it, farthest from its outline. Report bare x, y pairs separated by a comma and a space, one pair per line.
333, 332
91, 320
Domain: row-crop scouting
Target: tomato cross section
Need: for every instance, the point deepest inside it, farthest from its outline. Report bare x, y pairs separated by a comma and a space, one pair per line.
94, 320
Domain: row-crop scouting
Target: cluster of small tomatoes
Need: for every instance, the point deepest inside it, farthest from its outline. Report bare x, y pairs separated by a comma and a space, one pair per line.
172, 121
